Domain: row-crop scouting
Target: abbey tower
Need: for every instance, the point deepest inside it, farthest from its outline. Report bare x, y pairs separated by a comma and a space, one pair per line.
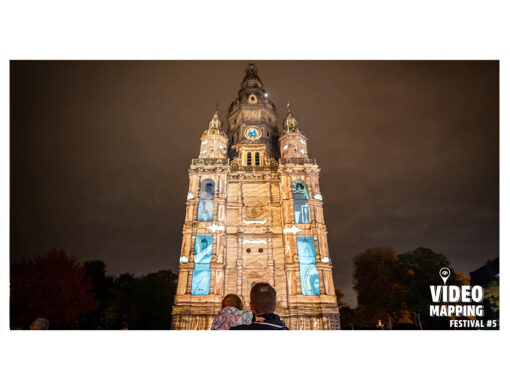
254, 212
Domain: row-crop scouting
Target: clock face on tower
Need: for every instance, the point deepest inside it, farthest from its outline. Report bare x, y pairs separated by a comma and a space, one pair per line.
253, 133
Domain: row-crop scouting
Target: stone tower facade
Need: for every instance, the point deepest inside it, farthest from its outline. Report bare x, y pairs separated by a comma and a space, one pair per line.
254, 213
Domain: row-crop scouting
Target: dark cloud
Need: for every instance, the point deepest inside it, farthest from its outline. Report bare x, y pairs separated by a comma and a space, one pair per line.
409, 154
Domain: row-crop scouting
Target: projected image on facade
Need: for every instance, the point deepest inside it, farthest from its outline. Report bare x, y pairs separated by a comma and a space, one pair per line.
201, 272
306, 249
203, 249
201, 279
300, 196
309, 280
206, 204
307, 269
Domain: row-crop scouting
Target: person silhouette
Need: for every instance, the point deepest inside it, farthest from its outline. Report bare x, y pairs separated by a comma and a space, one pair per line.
263, 304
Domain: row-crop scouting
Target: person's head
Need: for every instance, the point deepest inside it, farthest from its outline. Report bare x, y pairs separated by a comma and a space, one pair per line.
262, 298
40, 324
232, 300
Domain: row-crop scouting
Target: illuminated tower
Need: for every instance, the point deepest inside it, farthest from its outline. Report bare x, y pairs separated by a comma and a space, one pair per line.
254, 213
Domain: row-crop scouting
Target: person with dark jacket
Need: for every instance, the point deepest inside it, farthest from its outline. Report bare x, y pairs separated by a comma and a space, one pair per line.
263, 304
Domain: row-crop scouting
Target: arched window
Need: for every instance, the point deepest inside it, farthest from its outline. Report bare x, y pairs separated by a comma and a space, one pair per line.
300, 196
248, 159
206, 204
257, 159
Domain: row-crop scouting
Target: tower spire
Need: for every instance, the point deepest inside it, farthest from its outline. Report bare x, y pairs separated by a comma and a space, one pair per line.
251, 78
290, 122
214, 123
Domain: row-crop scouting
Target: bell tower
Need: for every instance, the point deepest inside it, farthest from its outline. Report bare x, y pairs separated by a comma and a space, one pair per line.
254, 213
308, 264
252, 123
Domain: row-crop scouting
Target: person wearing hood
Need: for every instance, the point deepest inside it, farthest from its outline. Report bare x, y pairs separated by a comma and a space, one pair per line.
231, 314
263, 304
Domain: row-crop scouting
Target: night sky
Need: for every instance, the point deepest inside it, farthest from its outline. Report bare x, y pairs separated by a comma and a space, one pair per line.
409, 153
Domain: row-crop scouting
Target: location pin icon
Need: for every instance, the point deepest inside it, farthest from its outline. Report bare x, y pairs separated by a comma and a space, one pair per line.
444, 273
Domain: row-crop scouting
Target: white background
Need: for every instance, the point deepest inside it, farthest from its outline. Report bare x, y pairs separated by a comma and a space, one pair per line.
251, 30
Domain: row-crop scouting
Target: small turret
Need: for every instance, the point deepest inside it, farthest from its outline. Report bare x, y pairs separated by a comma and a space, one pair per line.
292, 141
214, 141
290, 123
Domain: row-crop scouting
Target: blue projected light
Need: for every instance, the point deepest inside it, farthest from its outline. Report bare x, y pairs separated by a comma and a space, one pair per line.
203, 249
205, 210
301, 208
306, 249
206, 204
301, 212
309, 280
307, 269
201, 280
201, 273
253, 133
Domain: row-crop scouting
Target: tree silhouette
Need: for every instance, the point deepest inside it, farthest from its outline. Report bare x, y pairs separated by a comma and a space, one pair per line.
417, 270
397, 288
96, 271
53, 286
153, 299
374, 281
143, 302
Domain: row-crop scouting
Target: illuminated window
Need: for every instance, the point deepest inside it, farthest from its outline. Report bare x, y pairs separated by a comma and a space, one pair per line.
201, 273
305, 213
300, 196
248, 159
257, 159
206, 204
309, 276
